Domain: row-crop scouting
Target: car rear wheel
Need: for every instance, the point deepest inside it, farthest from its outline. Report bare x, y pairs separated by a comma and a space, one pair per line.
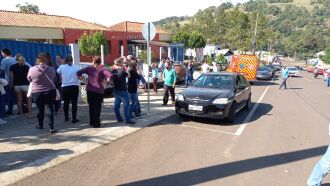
248, 104
231, 114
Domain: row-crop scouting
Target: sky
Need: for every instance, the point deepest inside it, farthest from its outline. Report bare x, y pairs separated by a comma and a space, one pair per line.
109, 12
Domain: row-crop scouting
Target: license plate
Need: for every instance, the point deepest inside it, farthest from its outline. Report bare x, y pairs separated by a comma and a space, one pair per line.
195, 107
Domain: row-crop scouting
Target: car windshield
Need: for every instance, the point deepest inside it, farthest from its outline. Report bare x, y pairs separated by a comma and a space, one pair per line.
262, 69
271, 67
215, 81
292, 68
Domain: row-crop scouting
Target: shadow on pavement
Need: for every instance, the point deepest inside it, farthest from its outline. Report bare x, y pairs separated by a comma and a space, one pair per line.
172, 120
264, 83
207, 174
16, 159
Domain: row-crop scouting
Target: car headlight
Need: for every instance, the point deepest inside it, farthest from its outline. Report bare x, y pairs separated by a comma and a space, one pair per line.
221, 101
179, 97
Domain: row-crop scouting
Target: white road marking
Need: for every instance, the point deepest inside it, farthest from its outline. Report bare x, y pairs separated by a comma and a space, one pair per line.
249, 116
230, 146
240, 130
212, 130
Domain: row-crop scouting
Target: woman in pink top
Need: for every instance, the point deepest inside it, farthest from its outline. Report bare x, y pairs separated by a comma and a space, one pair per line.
95, 91
41, 76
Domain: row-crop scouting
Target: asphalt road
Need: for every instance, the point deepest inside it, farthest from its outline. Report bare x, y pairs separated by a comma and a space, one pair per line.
276, 145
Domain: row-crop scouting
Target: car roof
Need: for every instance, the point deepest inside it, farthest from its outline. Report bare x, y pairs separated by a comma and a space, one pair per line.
222, 73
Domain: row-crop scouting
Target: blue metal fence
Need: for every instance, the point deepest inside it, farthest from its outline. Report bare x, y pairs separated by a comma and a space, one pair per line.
30, 50
177, 51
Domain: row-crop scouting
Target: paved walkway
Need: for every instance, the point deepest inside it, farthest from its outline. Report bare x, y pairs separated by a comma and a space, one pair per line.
25, 151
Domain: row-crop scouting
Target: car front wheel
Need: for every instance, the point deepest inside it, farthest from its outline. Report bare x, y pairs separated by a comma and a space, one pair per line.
231, 114
248, 104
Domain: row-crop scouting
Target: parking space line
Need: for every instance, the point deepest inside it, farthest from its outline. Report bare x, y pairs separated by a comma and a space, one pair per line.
212, 130
249, 116
307, 79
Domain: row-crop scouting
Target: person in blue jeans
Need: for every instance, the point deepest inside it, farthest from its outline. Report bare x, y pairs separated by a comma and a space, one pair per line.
6, 63
121, 93
3, 83
132, 89
320, 170
188, 69
285, 75
327, 74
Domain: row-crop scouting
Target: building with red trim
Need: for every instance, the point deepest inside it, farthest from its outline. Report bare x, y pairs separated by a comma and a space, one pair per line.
65, 30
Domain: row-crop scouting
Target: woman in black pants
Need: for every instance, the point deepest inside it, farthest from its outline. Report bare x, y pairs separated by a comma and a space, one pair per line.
43, 90
96, 76
70, 88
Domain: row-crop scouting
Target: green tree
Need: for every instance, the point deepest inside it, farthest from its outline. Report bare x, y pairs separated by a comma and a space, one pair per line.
208, 59
28, 8
196, 40
326, 57
288, 29
181, 37
143, 56
221, 58
90, 44
239, 36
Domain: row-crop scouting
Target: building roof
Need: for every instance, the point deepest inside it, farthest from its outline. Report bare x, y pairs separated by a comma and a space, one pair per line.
12, 18
225, 51
128, 26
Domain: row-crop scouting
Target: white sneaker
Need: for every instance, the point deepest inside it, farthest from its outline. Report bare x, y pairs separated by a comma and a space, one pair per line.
2, 122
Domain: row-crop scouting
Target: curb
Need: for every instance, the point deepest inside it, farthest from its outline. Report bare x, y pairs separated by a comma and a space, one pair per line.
99, 139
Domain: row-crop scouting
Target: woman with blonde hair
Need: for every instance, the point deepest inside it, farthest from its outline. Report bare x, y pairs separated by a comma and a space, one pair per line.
20, 83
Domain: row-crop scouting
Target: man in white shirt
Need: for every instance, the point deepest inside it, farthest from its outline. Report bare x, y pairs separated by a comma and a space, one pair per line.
205, 67
215, 67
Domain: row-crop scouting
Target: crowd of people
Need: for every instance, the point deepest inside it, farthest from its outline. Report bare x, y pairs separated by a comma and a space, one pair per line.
49, 83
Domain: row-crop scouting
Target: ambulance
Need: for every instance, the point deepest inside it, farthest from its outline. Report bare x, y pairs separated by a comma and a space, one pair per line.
246, 65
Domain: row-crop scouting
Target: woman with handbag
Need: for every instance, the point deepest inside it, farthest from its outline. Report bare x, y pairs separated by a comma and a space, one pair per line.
43, 91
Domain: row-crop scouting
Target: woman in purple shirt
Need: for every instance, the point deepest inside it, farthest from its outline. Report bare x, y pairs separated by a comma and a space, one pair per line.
41, 77
95, 91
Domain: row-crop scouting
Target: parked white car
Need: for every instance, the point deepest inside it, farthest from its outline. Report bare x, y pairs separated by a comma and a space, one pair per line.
293, 71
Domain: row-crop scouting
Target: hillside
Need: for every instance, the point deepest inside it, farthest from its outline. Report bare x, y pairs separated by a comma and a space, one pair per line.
172, 23
289, 27
299, 3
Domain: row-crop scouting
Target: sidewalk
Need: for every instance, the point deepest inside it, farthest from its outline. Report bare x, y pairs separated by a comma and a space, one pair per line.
25, 150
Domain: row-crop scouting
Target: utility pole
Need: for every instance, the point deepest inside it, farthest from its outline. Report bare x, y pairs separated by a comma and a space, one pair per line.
255, 36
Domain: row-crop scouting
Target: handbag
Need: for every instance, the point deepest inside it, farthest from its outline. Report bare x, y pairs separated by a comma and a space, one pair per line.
58, 95
29, 92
